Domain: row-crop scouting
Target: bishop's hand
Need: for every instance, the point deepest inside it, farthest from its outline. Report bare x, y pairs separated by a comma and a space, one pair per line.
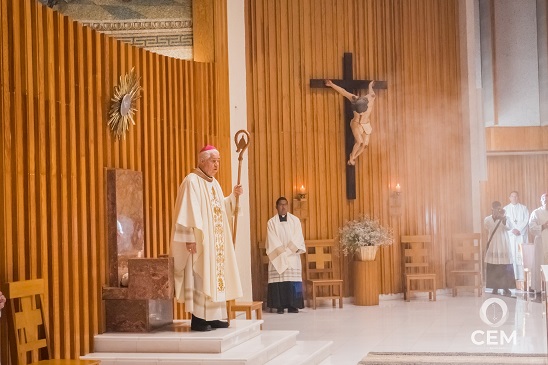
238, 190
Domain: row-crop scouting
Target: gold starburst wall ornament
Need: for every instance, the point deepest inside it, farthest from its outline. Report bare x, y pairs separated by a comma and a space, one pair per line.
123, 106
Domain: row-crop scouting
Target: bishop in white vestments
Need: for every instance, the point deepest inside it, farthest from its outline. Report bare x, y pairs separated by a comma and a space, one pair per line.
284, 246
518, 218
538, 224
206, 272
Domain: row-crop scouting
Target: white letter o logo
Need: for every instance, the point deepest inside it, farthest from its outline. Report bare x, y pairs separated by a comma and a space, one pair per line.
503, 317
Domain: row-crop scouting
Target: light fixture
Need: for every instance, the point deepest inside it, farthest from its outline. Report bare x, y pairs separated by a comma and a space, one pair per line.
301, 195
396, 200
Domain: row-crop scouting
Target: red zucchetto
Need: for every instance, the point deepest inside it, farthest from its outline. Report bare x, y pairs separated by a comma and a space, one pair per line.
208, 148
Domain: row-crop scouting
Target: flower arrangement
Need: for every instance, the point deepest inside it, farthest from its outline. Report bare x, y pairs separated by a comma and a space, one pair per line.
361, 232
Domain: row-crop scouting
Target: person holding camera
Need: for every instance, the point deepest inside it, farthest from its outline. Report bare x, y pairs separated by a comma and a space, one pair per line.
498, 257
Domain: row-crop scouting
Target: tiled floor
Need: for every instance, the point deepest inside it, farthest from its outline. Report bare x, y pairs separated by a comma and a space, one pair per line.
447, 325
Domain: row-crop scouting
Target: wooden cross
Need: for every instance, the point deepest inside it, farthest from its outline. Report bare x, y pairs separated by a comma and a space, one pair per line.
352, 86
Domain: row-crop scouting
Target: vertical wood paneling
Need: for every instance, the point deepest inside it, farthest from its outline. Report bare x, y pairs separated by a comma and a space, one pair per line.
56, 81
417, 138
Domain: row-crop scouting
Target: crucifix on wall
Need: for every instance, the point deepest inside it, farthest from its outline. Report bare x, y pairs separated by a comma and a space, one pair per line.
349, 87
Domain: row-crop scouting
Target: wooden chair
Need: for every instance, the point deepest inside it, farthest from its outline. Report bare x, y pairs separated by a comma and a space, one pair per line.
322, 275
416, 266
467, 262
27, 327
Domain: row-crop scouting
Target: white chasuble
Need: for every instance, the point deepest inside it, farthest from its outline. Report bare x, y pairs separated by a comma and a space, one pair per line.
284, 246
205, 280
538, 218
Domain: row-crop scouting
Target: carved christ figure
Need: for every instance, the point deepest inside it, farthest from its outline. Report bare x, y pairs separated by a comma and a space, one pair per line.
362, 105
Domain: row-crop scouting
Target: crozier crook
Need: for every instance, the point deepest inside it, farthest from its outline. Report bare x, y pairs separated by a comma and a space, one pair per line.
241, 145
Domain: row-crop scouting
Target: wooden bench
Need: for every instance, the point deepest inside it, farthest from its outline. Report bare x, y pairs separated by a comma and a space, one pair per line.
247, 307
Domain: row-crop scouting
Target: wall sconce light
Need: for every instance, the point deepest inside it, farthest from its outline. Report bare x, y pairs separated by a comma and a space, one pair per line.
300, 204
301, 195
395, 201
397, 190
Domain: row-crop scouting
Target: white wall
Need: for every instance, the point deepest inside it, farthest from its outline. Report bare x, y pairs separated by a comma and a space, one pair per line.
238, 120
510, 62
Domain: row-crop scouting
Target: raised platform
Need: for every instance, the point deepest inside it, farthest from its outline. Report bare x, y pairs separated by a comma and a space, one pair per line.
242, 343
178, 338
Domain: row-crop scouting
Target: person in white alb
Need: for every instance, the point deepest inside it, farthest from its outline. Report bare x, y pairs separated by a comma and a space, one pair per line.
538, 224
498, 258
518, 217
205, 268
284, 246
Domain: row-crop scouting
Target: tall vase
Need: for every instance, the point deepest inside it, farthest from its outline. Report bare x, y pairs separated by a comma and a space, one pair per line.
366, 283
367, 253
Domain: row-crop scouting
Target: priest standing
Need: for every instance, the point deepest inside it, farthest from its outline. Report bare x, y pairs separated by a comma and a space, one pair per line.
284, 246
206, 272
518, 217
538, 224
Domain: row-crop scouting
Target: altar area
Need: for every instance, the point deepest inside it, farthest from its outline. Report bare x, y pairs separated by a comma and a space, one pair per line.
242, 343
139, 304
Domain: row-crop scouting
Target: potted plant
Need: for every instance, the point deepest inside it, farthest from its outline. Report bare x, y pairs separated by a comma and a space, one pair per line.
363, 236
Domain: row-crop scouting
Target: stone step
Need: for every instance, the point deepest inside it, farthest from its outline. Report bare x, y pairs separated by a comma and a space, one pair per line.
178, 338
328, 361
304, 353
255, 351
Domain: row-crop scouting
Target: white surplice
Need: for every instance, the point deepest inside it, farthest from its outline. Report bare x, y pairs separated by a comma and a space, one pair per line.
204, 281
499, 247
537, 219
284, 246
518, 217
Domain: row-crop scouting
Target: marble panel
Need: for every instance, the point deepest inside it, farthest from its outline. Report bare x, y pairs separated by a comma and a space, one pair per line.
125, 220
115, 293
151, 278
137, 315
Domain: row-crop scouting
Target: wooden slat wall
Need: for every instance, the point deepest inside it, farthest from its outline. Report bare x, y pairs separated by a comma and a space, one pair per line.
56, 82
417, 138
517, 139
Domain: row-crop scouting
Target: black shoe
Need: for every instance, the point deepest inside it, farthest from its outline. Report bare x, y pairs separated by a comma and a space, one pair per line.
199, 324
280, 311
202, 327
507, 292
495, 291
292, 310
217, 324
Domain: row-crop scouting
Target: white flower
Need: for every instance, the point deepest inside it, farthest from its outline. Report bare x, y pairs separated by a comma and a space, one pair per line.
363, 231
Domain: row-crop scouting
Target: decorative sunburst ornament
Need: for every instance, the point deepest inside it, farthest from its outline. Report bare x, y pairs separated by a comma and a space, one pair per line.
123, 107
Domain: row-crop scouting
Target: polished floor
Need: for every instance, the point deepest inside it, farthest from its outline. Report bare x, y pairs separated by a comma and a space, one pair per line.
467, 323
